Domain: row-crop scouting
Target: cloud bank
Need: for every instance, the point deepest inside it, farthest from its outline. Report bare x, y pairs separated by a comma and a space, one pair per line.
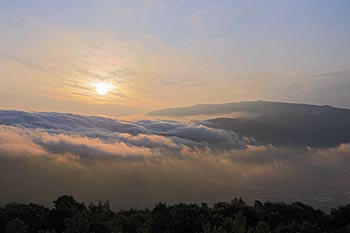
138, 163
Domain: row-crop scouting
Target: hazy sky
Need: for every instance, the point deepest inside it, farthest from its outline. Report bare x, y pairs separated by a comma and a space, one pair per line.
154, 54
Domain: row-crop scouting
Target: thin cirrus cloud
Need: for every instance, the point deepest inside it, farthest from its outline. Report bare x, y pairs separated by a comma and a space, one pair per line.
159, 54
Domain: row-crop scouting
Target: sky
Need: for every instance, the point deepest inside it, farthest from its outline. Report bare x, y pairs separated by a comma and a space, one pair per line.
154, 54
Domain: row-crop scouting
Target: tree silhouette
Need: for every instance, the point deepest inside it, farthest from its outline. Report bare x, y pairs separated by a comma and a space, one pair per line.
71, 216
16, 226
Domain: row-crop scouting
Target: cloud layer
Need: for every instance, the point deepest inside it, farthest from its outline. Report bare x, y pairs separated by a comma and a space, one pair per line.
138, 163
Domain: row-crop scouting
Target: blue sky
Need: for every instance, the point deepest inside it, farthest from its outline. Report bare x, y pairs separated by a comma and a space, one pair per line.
169, 53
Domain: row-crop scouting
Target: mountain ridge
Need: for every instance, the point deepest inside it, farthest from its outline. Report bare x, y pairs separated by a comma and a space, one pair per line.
249, 106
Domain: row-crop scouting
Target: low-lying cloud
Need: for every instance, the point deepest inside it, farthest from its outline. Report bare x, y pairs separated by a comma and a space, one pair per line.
138, 163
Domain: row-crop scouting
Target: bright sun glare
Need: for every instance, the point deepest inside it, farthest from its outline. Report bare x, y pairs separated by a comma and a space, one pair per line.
102, 88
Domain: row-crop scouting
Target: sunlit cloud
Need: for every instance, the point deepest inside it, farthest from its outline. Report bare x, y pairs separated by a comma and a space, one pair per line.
144, 162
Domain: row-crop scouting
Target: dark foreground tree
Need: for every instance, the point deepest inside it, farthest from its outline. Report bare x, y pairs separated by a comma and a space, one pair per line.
71, 216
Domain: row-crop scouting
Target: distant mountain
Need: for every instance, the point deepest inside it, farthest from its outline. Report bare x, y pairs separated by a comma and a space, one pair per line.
259, 107
276, 123
324, 129
262, 133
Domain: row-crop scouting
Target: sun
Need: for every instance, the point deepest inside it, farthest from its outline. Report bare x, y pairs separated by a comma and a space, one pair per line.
102, 88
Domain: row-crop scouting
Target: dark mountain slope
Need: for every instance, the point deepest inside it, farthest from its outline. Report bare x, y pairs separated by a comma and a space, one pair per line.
262, 133
324, 129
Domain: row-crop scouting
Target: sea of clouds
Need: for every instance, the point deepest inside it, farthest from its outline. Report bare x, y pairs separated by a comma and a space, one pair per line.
134, 163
